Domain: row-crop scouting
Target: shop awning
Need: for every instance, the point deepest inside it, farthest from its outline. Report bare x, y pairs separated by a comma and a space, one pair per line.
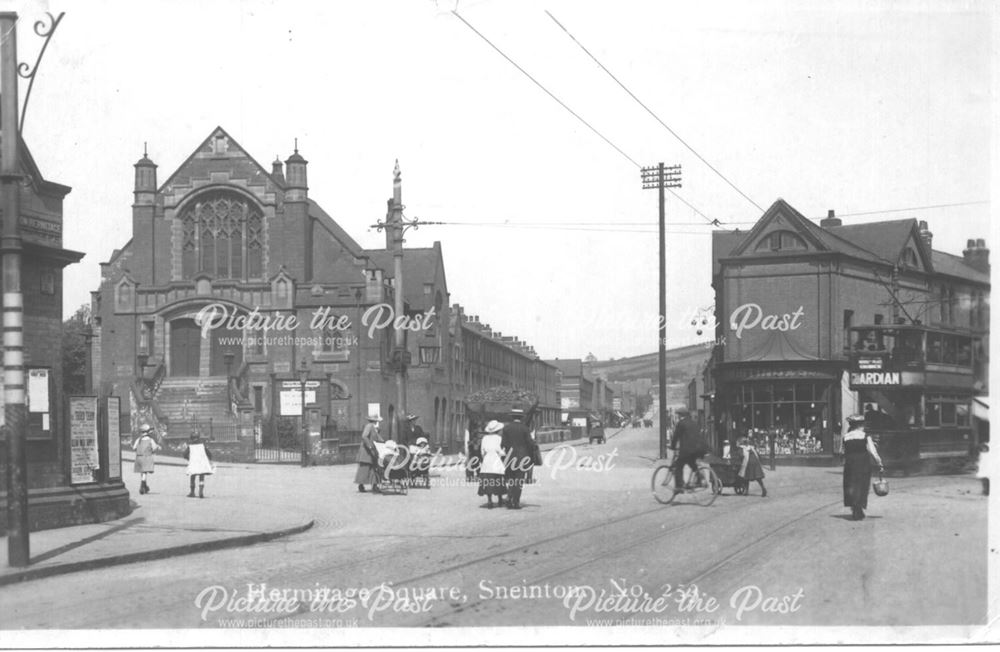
981, 407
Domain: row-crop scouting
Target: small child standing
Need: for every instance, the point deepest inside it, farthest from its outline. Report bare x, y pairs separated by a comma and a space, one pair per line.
749, 464
199, 463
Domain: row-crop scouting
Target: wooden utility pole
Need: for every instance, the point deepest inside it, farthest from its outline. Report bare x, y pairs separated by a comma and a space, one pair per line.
661, 178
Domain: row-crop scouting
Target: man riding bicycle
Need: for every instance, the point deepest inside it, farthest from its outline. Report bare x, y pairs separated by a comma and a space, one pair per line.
689, 446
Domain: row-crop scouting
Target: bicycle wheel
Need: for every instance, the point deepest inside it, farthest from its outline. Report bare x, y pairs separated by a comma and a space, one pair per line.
663, 483
703, 486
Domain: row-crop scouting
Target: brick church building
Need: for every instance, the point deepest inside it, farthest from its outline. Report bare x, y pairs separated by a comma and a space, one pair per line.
192, 320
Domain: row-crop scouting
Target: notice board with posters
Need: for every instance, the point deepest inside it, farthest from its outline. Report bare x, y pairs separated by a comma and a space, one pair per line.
39, 403
290, 397
84, 457
114, 438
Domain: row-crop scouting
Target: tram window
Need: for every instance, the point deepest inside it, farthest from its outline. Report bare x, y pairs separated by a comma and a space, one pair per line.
964, 356
949, 352
961, 414
934, 347
907, 347
947, 414
932, 417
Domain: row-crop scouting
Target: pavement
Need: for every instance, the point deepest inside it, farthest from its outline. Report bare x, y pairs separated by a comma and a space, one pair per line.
166, 523
163, 523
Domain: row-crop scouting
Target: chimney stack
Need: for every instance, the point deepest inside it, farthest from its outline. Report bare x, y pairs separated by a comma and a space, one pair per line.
977, 255
830, 220
925, 234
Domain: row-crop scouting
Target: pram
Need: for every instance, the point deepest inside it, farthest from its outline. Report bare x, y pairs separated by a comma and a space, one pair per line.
394, 468
420, 464
727, 473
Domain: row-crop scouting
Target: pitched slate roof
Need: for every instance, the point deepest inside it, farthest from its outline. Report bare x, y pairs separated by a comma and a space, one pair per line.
723, 243
881, 242
316, 211
420, 266
956, 266
885, 239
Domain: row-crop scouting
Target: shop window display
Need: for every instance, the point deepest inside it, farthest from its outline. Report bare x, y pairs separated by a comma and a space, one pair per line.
793, 412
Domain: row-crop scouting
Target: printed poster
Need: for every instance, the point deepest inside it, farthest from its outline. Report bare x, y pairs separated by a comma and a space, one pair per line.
83, 451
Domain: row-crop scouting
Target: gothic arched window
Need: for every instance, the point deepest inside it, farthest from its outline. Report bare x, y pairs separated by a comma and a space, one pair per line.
222, 235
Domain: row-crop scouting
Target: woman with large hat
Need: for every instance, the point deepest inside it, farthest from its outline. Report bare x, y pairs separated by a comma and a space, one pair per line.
367, 458
492, 481
859, 453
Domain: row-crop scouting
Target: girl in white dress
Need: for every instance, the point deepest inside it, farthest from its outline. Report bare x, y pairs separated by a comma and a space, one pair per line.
199, 463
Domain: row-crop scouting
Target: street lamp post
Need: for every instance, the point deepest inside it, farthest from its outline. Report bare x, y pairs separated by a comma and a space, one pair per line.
11, 249
303, 377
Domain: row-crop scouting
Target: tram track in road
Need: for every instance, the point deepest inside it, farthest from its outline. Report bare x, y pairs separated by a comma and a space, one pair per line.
439, 620
523, 547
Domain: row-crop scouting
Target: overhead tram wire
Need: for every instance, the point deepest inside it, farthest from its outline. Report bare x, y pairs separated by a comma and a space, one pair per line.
709, 220
655, 117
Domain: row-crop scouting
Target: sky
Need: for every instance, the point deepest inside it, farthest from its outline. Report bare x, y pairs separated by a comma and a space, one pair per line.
853, 106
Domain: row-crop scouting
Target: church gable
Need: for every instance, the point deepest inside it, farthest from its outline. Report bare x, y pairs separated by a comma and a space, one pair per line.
220, 160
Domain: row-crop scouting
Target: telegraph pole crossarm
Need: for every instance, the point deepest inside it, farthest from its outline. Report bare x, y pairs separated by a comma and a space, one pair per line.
662, 177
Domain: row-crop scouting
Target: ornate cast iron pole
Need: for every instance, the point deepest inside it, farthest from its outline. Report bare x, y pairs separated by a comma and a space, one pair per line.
15, 410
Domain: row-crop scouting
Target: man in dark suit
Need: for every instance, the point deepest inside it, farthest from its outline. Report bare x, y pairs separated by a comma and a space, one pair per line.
518, 445
688, 444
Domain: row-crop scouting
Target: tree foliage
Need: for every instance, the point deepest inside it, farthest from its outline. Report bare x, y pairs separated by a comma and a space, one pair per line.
74, 351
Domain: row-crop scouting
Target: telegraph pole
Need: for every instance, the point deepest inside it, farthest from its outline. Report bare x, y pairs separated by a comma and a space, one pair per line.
395, 219
661, 178
397, 225
13, 301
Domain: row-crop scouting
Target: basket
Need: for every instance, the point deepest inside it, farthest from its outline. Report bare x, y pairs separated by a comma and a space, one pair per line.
881, 486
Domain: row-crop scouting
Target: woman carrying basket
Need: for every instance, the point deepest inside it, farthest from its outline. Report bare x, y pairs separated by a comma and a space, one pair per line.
859, 453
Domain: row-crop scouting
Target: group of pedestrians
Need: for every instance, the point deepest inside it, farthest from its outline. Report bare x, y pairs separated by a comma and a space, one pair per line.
196, 453
506, 455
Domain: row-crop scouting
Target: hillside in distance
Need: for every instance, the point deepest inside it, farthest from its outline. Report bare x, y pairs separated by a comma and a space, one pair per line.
682, 365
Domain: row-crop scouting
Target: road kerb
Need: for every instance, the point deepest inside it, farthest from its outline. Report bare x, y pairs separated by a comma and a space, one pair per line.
40, 572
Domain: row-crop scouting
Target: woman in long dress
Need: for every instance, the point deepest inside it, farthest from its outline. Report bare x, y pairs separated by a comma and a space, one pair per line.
859, 453
367, 458
491, 472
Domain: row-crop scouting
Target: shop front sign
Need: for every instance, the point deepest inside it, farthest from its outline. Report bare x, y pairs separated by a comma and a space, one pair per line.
876, 378
765, 373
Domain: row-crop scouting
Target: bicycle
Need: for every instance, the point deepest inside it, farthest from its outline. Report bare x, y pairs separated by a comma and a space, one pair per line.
703, 486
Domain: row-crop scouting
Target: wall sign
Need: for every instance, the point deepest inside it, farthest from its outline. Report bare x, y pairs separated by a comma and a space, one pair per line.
84, 460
